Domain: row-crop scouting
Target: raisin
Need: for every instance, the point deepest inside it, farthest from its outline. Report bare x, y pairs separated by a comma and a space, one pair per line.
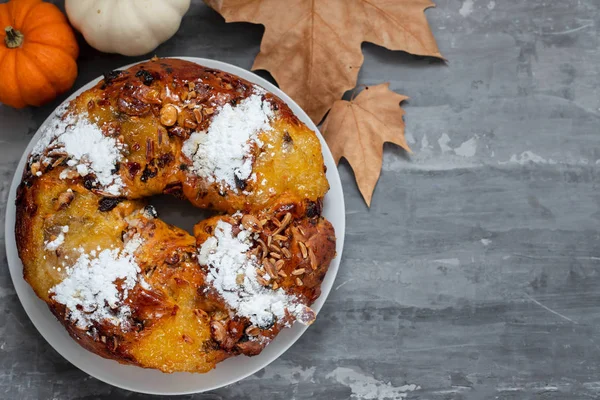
89, 182
245, 338
149, 209
172, 259
174, 189
133, 169
239, 182
148, 173
287, 139
108, 203
145, 76
165, 160
313, 208
116, 168
109, 77
267, 323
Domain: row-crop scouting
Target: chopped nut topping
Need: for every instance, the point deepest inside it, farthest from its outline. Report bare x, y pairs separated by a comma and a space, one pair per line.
251, 223
284, 223
198, 115
252, 331
188, 123
286, 253
275, 248
149, 149
299, 282
313, 259
298, 271
262, 281
218, 331
220, 315
297, 235
201, 314
35, 167
303, 249
168, 115
64, 199
265, 250
71, 174
59, 161
270, 268
239, 279
279, 264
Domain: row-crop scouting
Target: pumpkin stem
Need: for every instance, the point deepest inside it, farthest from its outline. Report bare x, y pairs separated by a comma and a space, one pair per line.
13, 38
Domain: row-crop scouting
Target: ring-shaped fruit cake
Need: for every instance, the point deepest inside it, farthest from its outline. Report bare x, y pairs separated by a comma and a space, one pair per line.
130, 287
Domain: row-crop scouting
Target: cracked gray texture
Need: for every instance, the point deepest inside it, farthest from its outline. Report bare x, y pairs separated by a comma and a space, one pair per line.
474, 275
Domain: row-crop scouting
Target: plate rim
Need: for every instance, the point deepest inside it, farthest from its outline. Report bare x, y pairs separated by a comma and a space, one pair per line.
15, 271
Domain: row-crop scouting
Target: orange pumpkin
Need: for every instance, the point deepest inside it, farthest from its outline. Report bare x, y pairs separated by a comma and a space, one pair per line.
37, 53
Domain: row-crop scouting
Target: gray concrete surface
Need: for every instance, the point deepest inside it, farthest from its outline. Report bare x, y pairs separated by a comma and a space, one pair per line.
475, 274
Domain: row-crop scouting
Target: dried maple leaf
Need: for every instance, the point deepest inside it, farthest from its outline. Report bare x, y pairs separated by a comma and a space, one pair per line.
313, 47
357, 130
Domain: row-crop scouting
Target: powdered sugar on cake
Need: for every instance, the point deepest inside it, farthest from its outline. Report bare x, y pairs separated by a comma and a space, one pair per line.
234, 275
58, 241
222, 153
87, 149
49, 131
96, 286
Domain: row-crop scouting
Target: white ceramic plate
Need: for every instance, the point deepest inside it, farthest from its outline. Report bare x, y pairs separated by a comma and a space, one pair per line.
151, 381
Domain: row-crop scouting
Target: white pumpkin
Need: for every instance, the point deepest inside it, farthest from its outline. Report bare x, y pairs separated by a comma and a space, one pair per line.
128, 27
